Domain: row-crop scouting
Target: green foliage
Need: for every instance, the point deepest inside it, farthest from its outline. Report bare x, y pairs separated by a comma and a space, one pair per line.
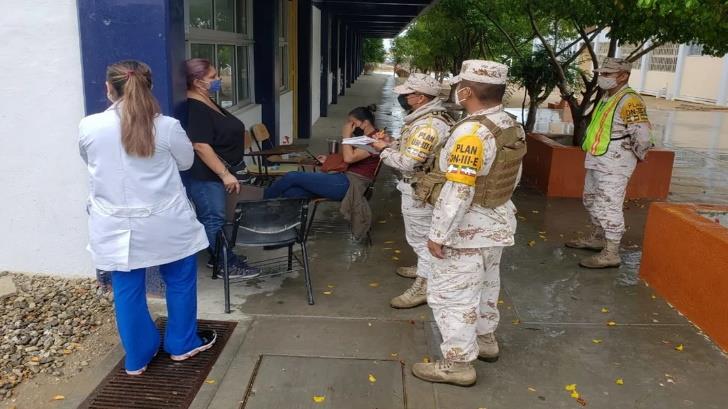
373, 50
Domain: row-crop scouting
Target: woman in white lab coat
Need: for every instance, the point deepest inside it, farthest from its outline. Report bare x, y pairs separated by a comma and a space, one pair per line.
139, 215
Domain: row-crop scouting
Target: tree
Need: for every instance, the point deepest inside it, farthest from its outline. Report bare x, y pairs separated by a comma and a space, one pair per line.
373, 50
645, 23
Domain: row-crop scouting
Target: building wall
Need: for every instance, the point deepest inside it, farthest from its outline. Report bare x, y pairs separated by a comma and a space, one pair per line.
286, 117
701, 77
331, 89
44, 183
250, 115
659, 81
315, 64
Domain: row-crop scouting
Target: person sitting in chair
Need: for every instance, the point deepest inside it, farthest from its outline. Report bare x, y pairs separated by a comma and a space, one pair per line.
334, 186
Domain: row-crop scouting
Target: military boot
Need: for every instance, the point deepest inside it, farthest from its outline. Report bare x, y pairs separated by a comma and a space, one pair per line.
488, 347
446, 371
608, 257
592, 241
407, 272
412, 297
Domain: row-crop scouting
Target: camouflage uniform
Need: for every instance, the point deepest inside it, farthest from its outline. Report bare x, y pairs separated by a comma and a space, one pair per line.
607, 175
464, 287
422, 134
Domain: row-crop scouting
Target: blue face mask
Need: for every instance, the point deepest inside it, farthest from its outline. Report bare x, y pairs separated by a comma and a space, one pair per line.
215, 86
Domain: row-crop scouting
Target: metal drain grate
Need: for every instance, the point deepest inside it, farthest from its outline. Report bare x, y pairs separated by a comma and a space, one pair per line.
166, 384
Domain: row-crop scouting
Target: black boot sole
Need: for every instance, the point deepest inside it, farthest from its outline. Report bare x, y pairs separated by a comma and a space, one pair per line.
488, 360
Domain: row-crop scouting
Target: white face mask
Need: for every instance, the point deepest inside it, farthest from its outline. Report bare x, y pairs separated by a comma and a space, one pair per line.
458, 101
606, 83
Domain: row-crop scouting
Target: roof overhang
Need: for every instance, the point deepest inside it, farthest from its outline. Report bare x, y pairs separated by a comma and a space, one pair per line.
375, 18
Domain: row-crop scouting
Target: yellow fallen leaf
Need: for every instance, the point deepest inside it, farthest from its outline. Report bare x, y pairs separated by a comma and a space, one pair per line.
530, 389
387, 248
35, 359
654, 297
372, 378
534, 211
389, 242
331, 286
570, 387
374, 285
319, 399
605, 310
521, 218
575, 395
395, 258
397, 251
619, 381
516, 322
328, 292
394, 354
680, 348
501, 301
611, 323
542, 232
542, 237
597, 341
426, 360
59, 397
531, 243
210, 381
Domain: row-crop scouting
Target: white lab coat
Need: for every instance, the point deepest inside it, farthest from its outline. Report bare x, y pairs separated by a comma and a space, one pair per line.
139, 214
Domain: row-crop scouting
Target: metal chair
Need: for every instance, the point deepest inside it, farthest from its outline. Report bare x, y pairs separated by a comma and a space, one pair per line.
254, 139
261, 223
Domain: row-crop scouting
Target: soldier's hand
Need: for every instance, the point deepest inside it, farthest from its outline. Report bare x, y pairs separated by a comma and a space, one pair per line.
435, 249
380, 145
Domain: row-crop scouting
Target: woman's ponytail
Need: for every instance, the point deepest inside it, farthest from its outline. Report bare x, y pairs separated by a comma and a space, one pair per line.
132, 83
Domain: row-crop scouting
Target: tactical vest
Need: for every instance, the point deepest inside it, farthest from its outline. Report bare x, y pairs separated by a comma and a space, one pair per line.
491, 190
599, 132
444, 116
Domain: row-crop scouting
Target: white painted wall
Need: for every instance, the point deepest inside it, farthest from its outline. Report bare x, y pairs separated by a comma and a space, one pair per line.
250, 115
331, 88
315, 65
286, 116
44, 182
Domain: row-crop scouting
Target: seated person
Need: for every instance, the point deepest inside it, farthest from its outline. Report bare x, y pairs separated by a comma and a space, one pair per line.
334, 186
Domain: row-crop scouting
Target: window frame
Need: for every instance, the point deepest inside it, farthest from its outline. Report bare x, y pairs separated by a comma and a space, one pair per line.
237, 40
284, 50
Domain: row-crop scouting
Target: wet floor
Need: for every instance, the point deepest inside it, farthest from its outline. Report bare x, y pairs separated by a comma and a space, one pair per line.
352, 347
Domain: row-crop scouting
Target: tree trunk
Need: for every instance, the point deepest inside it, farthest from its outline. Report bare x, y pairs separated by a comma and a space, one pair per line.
533, 104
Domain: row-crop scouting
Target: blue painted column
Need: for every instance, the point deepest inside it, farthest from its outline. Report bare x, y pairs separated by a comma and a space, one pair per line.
267, 64
335, 59
151, 31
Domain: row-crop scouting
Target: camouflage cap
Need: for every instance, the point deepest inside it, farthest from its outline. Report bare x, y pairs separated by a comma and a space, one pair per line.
611, 64
417, 82
487, 72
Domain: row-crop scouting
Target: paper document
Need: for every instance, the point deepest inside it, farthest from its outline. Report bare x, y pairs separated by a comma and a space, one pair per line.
358, 140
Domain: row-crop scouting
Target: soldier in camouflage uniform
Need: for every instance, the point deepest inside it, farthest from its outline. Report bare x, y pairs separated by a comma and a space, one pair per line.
426, 128
473, 220
618, 136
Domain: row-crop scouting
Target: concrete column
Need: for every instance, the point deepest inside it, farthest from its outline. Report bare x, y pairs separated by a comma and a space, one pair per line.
645, 67
682, 54
723, 84
618, 52
267, 64
325, 62
305, 50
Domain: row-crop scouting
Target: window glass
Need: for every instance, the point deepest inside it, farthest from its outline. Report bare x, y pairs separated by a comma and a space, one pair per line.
225, 69
206, 51
243, 76
225, 15
201, 13
242, 16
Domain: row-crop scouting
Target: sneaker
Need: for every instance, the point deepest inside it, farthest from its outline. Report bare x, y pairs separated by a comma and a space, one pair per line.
208, 340
211, 261
137, 372
241, 269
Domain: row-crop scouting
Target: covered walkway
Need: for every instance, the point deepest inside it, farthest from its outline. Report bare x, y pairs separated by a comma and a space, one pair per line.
353, 350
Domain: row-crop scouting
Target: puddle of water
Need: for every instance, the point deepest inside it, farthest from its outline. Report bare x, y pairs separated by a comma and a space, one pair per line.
629, 271
715, 216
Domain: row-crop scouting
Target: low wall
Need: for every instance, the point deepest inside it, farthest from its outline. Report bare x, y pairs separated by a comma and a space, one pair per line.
685, 259
558, 170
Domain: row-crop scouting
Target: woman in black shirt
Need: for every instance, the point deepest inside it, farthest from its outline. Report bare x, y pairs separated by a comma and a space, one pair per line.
218, 139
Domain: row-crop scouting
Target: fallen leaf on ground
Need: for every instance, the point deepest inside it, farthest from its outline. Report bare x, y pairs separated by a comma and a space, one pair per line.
531, 243
575, 394
328, 292
542, 232
581, 401
530, 389
59, 397
382, 221
426, 360
500, 301
387, 248
389, 242
597, 341
654, 297
319, 399
534, 211
331, 286
395, 258
210, 381
397, 251
394, 354
372, 378
611, 323
521, 218
619, 381
570, 387
516, 322
605, 310
680, 348
374, 285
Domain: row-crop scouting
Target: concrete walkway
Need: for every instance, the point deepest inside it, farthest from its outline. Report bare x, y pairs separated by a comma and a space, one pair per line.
351, 350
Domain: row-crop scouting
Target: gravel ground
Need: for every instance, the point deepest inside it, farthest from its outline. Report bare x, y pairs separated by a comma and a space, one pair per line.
44, 324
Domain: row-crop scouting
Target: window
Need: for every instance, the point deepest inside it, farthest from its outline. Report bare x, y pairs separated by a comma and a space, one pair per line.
664, 58
219, 31
628, 49
695, 49
283, 49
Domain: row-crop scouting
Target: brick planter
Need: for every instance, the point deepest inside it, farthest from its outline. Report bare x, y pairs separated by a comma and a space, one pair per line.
558, 170
685, 259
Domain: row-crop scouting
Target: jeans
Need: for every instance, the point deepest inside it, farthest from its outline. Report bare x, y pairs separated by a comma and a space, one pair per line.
309, 185
137, 331
209, 199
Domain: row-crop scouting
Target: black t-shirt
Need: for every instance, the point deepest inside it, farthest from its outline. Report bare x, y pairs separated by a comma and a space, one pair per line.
224, 133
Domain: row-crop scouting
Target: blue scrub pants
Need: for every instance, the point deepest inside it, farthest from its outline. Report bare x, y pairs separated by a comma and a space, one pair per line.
309, 185
139, 335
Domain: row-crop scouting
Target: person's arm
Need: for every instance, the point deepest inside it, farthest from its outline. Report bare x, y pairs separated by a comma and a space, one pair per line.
348, 152
209, 157
419, 147
465, 158
180, 147
633, 113
200, 130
